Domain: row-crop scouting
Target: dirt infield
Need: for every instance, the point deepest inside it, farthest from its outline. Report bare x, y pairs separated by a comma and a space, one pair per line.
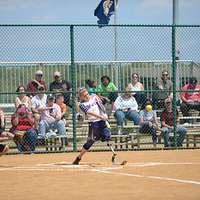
147, 175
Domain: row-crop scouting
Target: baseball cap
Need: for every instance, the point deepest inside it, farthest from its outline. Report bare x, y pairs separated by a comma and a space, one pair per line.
50, 97
38, 72
57, 73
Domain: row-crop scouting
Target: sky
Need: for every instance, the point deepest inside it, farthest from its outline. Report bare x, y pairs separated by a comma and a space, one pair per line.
53, 44
81, 11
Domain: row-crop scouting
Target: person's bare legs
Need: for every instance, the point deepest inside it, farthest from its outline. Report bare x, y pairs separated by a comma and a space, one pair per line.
5, 150
78, 158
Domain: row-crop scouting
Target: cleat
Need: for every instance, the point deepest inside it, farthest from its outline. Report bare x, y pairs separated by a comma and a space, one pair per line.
124, 162
76, 161
113, 157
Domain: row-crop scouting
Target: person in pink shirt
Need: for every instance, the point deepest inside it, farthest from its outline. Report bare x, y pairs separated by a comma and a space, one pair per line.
190, 100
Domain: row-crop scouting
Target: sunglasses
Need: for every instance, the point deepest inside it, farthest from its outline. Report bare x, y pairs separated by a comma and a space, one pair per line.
165, 74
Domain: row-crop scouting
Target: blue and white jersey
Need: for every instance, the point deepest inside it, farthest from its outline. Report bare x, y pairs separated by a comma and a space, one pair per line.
148, 116
93, 105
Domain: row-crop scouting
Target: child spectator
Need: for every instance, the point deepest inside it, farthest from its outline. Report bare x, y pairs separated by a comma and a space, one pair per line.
148, 121
63, 107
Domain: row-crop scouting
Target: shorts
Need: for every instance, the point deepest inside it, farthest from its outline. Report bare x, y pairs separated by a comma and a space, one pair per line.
99, 131
2, 147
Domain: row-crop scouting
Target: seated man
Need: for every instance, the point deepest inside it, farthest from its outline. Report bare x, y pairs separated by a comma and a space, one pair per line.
61, 86
167, 124
164, 87
35, 83
51, 118
190, 100
126, 107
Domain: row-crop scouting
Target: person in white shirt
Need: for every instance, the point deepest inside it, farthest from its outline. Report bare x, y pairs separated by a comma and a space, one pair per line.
93, 107
38, 104
126, 107
51, 118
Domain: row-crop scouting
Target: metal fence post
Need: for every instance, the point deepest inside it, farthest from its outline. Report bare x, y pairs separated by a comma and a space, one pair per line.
73, 74
174, 80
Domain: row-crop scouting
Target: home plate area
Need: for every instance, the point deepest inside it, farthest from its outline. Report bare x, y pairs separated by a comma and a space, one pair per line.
106, 168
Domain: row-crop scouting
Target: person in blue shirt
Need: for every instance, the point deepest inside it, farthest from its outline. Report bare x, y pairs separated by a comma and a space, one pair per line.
148, 121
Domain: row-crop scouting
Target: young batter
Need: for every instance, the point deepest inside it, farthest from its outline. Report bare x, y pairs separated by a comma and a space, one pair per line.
92, 106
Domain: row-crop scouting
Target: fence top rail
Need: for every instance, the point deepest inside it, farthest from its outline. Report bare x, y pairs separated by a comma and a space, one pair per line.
112, 61
96, 25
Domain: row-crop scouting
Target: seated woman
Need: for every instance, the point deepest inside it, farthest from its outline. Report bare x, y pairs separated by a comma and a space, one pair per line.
23, 123
148, 121
136, 87
126, 107
22, 98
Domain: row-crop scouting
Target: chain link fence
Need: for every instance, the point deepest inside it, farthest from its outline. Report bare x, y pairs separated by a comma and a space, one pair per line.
149, 65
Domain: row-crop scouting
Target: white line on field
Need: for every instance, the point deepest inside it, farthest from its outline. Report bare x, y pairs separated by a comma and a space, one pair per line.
148, 177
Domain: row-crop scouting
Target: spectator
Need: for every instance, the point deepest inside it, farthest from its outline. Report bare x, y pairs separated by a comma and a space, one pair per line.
126, 107
136, 87
92, 86
107, 89
51, 118
190, 100
38, 104
36, 83
63, 107
3, 132
22, 98
167, 124
59, 85
165, 87
23, 122
148, 121
4, 135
